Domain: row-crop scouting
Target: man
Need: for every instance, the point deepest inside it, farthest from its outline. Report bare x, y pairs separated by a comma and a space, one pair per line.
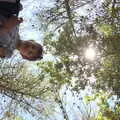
9, 33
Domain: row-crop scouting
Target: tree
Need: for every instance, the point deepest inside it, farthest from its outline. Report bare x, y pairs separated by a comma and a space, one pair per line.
64, 11
21, 89
106, 111
69, 68
109, 74
102, 31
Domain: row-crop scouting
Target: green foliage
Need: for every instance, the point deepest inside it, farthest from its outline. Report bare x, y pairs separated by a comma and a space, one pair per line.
105, 112
24, 89
106, 29
55, 73
70, 50
70, 36
76, 34
18, 118
109, 74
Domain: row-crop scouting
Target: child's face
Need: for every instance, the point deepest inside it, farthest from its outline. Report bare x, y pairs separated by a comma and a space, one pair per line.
28, 49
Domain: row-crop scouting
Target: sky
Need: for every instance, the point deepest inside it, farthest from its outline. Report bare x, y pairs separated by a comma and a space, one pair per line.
29, 29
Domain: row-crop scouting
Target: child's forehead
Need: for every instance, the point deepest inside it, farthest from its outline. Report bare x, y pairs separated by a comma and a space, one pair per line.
30, 43
31, 46
34, 45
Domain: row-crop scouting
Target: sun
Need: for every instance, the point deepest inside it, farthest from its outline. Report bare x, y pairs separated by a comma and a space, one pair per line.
90, 53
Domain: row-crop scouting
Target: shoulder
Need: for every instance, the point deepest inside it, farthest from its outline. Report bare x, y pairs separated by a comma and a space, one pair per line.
9, 41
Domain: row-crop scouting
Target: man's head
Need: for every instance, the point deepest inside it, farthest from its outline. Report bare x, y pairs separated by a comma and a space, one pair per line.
30, 50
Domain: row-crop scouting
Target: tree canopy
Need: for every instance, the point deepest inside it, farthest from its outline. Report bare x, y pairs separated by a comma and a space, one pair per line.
41, 92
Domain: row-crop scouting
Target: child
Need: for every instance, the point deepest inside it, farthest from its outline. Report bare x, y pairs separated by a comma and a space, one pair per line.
9, 36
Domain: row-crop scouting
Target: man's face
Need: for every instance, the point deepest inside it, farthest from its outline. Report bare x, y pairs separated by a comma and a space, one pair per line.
28, 49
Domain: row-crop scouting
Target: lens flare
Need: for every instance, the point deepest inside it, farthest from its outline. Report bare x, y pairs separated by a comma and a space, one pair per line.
90, 54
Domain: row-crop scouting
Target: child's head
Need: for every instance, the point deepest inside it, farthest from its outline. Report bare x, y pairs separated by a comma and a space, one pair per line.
30, 50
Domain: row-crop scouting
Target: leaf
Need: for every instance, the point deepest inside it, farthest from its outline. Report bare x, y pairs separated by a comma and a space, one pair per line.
106, 29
